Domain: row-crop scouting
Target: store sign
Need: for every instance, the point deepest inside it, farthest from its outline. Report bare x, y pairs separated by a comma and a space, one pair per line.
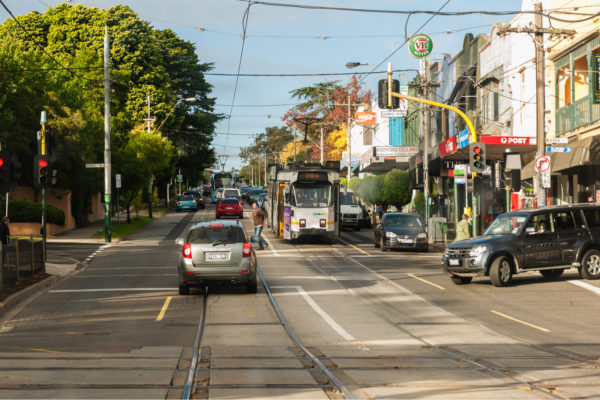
447, 147
365, 118
596, 78
508, 140
396, 151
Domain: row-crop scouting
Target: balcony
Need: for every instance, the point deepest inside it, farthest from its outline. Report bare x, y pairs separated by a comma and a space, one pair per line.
573, 116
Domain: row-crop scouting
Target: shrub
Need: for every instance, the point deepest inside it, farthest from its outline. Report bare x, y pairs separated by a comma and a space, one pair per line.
26, 211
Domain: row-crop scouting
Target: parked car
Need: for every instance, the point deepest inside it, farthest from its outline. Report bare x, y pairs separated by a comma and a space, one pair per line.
229, 207
401, 231
186, 202
365, 218
198, 196
244, 192
216, 251
545, 239
254, 194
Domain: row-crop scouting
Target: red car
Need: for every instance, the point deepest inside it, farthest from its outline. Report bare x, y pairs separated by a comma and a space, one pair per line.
229, 207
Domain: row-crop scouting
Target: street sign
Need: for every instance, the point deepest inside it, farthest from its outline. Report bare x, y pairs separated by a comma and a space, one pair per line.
420, 45
542, 164
118, 181
463, 138
94, 165
179, 178
557, 140
552, 149
393, 114
546, 182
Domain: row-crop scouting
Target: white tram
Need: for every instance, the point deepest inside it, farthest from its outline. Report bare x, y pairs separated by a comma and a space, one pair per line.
304, 199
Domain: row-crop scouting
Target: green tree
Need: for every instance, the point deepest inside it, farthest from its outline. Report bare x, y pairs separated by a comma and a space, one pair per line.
396, 190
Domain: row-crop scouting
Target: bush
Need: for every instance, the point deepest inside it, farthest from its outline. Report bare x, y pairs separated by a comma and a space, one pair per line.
26, 211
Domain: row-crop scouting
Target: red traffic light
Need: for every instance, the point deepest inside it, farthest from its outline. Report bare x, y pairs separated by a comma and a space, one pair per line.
43, 163
477, 150
1, 161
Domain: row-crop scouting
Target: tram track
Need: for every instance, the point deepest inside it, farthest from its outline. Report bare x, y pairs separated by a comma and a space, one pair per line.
470, 361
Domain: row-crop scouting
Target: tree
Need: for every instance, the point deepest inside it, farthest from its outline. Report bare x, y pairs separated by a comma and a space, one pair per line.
396, 190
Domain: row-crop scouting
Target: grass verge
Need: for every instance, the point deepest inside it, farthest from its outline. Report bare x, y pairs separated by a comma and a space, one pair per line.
119, 231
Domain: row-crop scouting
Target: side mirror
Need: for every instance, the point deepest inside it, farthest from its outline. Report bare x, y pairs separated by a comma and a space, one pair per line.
180, 241
530, 230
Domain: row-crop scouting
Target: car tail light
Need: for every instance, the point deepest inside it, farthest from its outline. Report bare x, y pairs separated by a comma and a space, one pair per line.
177, 203
302, 223
247, 250
194, 201
245, 271
323, 223
187, 251
216, 225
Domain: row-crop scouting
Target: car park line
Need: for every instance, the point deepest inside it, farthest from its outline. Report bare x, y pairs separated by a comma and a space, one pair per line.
426, 281
164, 308
519, 321
341, 331
586, 286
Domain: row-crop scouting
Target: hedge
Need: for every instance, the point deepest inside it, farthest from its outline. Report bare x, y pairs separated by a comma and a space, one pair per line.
26, 211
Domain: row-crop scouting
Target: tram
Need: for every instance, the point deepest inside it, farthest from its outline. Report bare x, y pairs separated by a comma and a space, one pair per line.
220, 180
304, 200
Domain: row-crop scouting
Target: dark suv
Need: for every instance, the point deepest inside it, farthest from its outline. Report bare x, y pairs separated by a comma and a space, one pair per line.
545, 239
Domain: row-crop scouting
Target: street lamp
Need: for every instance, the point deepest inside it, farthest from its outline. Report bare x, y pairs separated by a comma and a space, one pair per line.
188, 99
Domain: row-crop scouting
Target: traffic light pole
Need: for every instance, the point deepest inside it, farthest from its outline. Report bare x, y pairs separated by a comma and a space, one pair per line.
43, 153
107, 155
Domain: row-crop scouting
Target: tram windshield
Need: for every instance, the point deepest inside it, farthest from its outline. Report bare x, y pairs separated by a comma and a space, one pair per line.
312, 196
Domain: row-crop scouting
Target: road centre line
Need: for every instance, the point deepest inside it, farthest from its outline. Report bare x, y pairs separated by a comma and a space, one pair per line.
521, 322
341, 331
353, 246
164, 308
426, 281
113, 290
586, 286
114, 275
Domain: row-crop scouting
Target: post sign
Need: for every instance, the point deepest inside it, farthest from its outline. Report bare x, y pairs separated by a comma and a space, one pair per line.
545, 180
420, 45
365, 118
542, 164
118, 181
596, 78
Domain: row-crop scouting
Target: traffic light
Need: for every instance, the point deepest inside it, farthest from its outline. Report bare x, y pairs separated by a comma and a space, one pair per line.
42, 170
477, 157
4, 172
515, 180
383, 93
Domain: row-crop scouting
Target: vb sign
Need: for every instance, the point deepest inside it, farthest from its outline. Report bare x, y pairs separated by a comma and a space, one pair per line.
420, 45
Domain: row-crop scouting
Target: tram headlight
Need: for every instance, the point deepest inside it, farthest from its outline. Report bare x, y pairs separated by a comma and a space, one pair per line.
323, 223
302, 223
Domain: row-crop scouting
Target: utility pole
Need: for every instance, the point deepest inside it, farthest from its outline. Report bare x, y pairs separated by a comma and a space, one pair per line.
321, 144
294, 144
150, 191
538, 30
423, 66
149, 120
349, 140
107, 157
265, 169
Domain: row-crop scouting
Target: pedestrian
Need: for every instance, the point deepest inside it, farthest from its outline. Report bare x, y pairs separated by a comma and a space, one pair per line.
4, 230
260, 218
462, 229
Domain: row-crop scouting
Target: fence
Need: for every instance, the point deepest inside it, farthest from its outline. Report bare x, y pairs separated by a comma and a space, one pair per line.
21, 257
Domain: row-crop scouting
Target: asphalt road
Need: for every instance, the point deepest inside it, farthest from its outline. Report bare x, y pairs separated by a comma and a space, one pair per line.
386, 324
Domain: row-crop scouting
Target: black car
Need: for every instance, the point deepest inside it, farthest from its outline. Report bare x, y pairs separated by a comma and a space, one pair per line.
545, 239
401, 231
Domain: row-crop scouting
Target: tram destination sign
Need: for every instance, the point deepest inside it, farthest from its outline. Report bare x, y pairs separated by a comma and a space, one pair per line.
312, 176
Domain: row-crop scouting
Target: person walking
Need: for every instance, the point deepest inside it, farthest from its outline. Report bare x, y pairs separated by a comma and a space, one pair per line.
260, 219
4, 230
462, 229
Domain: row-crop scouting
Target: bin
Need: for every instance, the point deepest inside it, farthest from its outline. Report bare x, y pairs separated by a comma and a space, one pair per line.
438, 229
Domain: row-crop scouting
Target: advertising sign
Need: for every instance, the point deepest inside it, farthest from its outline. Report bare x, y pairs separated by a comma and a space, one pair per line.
508, 140
287, 222
365, 118
395, 151
420, 45
447, 147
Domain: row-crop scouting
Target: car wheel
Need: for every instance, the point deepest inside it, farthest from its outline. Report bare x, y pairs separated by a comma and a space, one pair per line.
382, 244
252, 287
501, 271
590, 265
552, 273
461, 280
184, 290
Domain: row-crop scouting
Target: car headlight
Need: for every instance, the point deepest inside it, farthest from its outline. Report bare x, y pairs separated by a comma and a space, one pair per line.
422, 235
390, 235
477, 251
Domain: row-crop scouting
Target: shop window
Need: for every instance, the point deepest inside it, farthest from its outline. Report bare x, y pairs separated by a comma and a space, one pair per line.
564, 86
581, 77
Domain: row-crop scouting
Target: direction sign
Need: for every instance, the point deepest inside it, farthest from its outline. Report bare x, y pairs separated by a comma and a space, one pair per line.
555, 140
542, 164
94, 165
179, 178
552, 149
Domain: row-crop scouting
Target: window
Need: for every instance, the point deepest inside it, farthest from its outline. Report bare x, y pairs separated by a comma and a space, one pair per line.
592, 216
542, 223
312, 196
563, 221
212, 234
564, 86
581, 77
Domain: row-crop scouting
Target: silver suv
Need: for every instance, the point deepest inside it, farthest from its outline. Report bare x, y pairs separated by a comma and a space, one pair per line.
545, 239
216, 251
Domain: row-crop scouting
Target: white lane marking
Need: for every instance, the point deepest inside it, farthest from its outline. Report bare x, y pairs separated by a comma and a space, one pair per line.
438, 257
586, 286
341, 331
113, 290
110, 276
271, 247
128, 268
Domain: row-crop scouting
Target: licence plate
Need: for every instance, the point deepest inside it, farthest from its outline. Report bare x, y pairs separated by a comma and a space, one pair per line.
406, 241
216, 256
453, 261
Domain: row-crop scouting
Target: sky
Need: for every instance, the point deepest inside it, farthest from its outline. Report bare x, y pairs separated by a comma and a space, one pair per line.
285, 40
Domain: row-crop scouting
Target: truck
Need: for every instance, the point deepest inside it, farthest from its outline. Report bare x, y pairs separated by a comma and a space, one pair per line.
350, 209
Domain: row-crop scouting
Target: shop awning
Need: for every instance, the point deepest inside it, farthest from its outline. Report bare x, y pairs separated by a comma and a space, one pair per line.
585, 152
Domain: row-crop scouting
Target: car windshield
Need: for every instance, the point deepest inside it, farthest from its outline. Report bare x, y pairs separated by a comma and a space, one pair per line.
222, 234
312, 196
402, 221
506, 224
348, 199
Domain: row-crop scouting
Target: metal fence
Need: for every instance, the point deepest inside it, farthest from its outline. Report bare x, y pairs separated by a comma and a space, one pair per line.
21, 257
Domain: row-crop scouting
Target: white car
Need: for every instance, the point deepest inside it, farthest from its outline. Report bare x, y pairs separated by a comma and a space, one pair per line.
232, 192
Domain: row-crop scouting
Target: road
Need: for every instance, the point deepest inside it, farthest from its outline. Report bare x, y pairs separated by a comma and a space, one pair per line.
381, 324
